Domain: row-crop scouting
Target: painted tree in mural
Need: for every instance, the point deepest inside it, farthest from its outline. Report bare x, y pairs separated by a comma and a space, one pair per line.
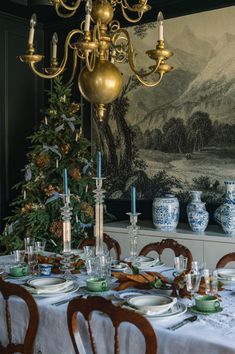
58, 144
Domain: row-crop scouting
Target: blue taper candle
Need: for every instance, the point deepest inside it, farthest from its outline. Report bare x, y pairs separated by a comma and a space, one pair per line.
99, 164
65, 179
133, 200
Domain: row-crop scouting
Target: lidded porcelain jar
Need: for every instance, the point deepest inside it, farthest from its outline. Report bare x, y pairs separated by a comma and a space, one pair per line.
225, 213
165, 212
198, 217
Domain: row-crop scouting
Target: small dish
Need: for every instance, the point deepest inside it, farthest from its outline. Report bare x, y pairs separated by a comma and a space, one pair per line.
195, 310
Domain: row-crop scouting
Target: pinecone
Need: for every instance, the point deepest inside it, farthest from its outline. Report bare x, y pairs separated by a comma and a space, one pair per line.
74, 108
88, 210
27, 208
50, 190
65, 148
75, 174
56, 228
42, 160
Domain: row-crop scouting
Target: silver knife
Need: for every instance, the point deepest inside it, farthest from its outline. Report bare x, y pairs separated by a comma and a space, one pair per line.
182, 323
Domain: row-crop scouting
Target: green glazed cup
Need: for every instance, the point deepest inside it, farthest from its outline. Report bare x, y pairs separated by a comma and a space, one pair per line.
207, 303
97, 284
19, 270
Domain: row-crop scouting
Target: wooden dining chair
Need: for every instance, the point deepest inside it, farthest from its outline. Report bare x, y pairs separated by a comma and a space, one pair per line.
229, 257
117, 316
110, 242
8, 290
159, 247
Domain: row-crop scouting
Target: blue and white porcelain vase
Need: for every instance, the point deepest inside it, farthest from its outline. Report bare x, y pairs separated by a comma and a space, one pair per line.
198, 217
166, 213
225, 213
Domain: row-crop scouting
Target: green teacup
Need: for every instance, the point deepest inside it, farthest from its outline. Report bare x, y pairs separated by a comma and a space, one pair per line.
19, 270
207, 303
96, 284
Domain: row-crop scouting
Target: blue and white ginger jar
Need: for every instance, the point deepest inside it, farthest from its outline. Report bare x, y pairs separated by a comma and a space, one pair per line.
225, 213
166, 213
198, 217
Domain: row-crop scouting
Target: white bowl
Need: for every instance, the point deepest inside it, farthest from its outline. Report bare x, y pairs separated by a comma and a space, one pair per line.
52, 283
152, 303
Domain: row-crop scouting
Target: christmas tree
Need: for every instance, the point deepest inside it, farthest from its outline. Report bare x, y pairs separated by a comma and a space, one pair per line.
58, 144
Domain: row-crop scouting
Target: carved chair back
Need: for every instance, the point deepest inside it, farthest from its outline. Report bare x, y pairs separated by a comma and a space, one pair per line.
159, 247
110, 242
7, 290
230, 257
117, 316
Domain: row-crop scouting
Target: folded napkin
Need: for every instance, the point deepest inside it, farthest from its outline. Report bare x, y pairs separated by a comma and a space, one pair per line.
142, 281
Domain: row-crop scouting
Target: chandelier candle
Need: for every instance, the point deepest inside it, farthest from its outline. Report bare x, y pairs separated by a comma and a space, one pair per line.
88, 16
33, 22
160, 24
54, 42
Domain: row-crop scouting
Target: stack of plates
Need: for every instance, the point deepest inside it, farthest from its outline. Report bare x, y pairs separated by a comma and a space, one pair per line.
143, 262
119, 267
52, 286
227, 274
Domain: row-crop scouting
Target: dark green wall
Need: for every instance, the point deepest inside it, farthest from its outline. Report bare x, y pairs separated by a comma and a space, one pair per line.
21, 98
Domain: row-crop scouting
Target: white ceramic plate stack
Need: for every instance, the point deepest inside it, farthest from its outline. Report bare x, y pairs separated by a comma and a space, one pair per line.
227, 274
144, 263
157, 306
52, 286
119, 267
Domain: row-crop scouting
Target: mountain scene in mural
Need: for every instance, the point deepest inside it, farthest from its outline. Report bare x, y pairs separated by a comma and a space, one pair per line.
180, 135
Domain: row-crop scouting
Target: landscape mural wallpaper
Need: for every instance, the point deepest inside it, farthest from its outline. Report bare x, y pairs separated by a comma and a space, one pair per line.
180, 135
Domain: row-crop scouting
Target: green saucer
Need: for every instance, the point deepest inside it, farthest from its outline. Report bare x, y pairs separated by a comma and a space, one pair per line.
18, 277
195, 310
90, 292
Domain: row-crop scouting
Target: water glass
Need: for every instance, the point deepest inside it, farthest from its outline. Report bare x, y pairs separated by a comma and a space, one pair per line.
198, 267
192, 283
211, 282
19, 256
180, 263
32, 258
91, 267
40, 246
104, 266
29, 242
89, 251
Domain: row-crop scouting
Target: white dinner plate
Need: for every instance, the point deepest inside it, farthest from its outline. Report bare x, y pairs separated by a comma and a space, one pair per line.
69, 290
125, 295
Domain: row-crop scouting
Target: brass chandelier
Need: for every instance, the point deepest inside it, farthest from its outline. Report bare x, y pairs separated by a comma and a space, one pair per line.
100, 80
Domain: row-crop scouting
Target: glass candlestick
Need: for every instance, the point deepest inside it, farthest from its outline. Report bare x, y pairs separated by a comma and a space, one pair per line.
133, 230
66, 212
99, 215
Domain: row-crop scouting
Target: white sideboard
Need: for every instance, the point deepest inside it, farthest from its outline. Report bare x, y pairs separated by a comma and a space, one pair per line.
208, 247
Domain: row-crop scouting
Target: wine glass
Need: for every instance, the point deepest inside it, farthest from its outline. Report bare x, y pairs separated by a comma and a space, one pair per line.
192, 284
180, 264
32, 259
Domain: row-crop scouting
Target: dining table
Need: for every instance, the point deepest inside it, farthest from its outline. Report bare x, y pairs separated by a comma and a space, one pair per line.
208, 334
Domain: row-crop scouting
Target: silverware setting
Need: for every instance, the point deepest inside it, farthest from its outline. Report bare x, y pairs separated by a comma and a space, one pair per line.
182, 323
64, 301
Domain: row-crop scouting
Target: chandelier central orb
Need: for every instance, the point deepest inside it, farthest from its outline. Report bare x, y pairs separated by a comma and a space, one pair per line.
100, 46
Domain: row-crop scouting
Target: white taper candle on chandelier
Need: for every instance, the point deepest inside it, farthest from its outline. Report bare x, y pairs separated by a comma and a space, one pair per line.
88, 16
54, 42
160, 19
32, 23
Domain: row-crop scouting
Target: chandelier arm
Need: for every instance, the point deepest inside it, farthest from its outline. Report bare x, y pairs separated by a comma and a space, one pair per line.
90, 63
130, 19
125, 5
70, 8
131, 53
150, 84
60, 14
75, 62
63, 63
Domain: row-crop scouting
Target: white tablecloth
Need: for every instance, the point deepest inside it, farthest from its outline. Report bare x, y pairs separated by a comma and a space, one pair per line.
212, 334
